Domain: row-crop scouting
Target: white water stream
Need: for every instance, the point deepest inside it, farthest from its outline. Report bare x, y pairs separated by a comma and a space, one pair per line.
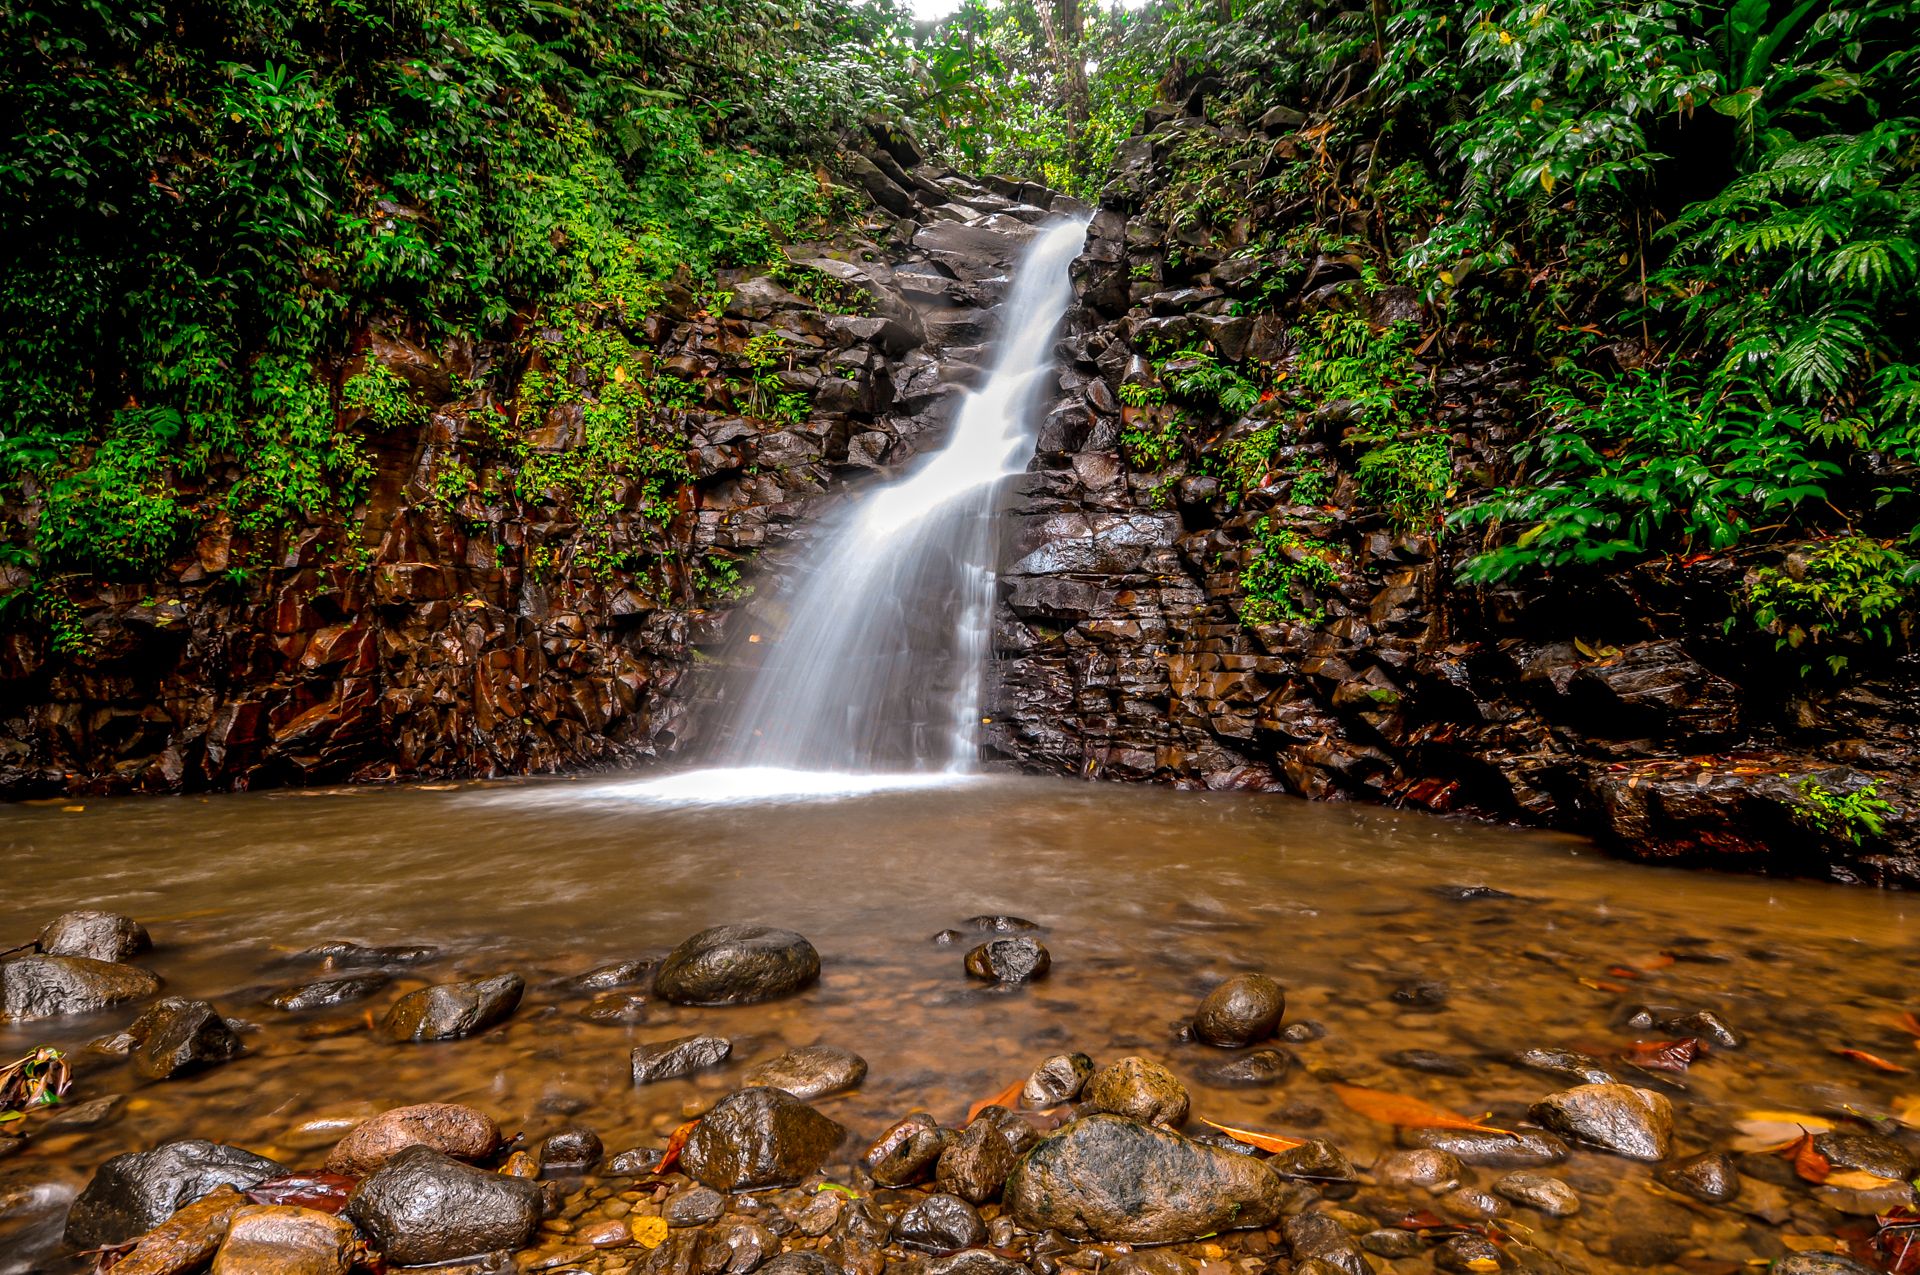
875, 679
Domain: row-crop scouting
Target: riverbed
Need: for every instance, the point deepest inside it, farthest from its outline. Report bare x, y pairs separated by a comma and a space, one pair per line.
1418, 954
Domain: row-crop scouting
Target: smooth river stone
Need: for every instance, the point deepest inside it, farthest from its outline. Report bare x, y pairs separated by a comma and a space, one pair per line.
736, 965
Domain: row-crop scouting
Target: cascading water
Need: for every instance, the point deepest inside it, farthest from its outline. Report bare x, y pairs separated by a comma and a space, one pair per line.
878, 672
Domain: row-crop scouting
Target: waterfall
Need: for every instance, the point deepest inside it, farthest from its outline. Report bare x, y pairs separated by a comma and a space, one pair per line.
878, 669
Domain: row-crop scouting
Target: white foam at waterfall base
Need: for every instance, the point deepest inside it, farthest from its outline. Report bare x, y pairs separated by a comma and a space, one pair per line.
744, 784
874, 680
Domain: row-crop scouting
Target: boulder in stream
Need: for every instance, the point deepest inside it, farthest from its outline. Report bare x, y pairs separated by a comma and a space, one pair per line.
1630, 1122
449, 1128
759, 1138
133, 1193
1106, 1178
1010, 960
98, 936
1059, 1079
450, 1011
736, 965
422, 1207
34, 987
324, 992
1245, 1009
176, 1035
1139, 1089
811, 1071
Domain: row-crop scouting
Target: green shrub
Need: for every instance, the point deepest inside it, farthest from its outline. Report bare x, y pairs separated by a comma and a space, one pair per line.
1280, 581
1836, 594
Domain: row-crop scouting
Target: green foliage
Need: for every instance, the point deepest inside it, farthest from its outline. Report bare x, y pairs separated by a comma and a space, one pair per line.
1197, 375
1280, 581
1408, 478
1835, 594
1343, 359
1850, 814
383, 397
1159, 444
1642, 465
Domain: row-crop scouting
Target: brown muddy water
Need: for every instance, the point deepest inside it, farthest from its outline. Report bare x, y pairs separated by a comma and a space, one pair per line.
1147, 896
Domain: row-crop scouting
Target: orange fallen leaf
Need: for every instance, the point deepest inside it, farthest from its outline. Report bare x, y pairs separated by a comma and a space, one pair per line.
1005, 1098
1612, 989
1264, 1141
1665, 1055
1906, 1022
1874, 1061
675, 1145
1412, 1113
1807, 1162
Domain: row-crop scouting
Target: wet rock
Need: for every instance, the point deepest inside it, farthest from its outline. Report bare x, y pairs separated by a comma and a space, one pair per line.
607, 977
34, 987
92, 1114
940, 1223
1423, 993
1868, 1152
1002, 924
1818, 1264
1107, 1178
1139, 1090
1526, 1149
1315, 1160
694, 1206
801, 1263
177, 1035
1261, 1067
1425, 1167
1301, 1033
1009, 960
570, 1152
354, 956
1315, 1236
974, 1261
1426, 1060
1538, 1191
1241, 1011
1630, 1122
451, 1011
1472, 893
736, 1246
329, 991
422, 1207
1668, 1021
1469, 1204
185, 1241
821, 1214
613, 1233
1710, 1177
812, 1071
446, 1127
1059, 1079
737, 965
759, 1138
133, 1193
1392, 1242
1566, 1064
681, 1056
910, 1157
975, 1164
1470, 1254
283, 1240
98, 936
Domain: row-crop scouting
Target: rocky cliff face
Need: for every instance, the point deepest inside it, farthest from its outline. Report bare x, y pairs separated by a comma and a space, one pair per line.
1615, 706
463, 622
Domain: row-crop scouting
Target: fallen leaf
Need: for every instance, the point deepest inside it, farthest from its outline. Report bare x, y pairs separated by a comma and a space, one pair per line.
1766, 1130
1665, 1055
1482, 1264
648, 1232
1007, 1098
1411, 1113
1264, 1141
1807, 1162
1858, 1180
326, 1192
1811, 1244
675, 1145
1874, 1061
1611, 989
1906, 1022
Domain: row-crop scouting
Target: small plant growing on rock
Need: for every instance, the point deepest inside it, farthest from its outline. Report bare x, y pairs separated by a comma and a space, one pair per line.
1852, 815
1825, 594
1286, 570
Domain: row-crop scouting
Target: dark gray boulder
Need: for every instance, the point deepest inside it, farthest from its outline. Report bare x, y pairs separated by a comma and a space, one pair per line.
422, 1207
177, 1035
941, 1223
812, 1071
98, 936
1241, 1011
1106, 1178
49, 986
759, 1138
321, 993
681, 1056
133, 1193
1010, 960
1630, 1122
736, 965
449, 1011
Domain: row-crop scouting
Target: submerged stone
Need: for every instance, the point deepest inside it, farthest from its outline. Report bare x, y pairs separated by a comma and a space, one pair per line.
737, 965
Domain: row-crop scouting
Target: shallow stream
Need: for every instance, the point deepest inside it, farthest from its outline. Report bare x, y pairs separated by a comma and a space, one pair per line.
1147, 898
